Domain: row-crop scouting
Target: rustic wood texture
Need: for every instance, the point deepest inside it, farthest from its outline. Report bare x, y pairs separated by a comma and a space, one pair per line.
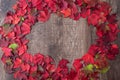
62, 38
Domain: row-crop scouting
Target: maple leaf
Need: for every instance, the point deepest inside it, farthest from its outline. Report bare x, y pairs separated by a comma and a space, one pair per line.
63, 63
15, 6
7, 51
113, 27
3, 43
105, 8
112, 18
77, 64
93, 19
52, 5
36, 2
89, 67
22, 4
99, 33
25, 28
25, 67
85, 12
13, 46
33, 70
27, 57
75, 14
91, 2
22, 49
11, 35
16, 19
72, 75
48, 60
66, 12
38, 58
20, 76
17, 31
17, 63
114, 50
16, 74
93, 50
21, 12
51, 68
79, 2
87, 58
9, 18
43, 16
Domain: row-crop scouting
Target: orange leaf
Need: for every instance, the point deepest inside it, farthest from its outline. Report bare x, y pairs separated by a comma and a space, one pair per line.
66, 12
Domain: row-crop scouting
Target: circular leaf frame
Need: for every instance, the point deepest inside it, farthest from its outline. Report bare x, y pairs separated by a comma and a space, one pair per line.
25, 66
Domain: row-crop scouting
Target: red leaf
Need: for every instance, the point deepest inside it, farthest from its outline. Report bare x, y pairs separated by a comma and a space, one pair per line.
113, 27
63, 63
93, 19
105, 8
93, 50
79, 2
22, 49
3, 43
50, 67
25, 67
27, 57
43, 16
66, 12
11, 35
112, 18
77, 64
16, 74
25, 28
21, 12
22, 4
72, 75
114, 50
87, 58
52, 5
38, 58
85, 13
16, 19
48, 59
36, 2
17, 62
33, 69
7, 51
91, 2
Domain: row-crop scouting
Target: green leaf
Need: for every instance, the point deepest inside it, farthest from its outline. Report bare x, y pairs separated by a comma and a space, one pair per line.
22, 19
91, 79
13, 46
103, 71
89, 67
6, 25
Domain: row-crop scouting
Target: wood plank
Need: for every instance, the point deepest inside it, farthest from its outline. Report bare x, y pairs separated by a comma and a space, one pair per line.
62, 38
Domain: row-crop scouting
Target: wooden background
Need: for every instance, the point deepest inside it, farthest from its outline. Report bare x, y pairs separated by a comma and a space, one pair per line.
62, 38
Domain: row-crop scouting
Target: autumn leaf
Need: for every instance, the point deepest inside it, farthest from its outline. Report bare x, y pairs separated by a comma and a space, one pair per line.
104, 70
66, 12
88, 58
77, 64
89, 67
13, 46
93, 19
43, 16
17, 62
7, 51
25, 28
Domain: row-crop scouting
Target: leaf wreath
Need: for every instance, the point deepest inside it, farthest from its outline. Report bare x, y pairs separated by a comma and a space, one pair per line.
24, 66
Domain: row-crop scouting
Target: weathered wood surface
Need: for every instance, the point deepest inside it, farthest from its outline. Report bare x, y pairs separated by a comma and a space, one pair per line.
62, 38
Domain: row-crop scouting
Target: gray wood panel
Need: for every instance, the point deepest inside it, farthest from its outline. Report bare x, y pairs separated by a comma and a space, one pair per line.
62, 38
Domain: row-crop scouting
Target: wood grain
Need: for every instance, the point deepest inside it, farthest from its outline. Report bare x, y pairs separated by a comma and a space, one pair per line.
62, 38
